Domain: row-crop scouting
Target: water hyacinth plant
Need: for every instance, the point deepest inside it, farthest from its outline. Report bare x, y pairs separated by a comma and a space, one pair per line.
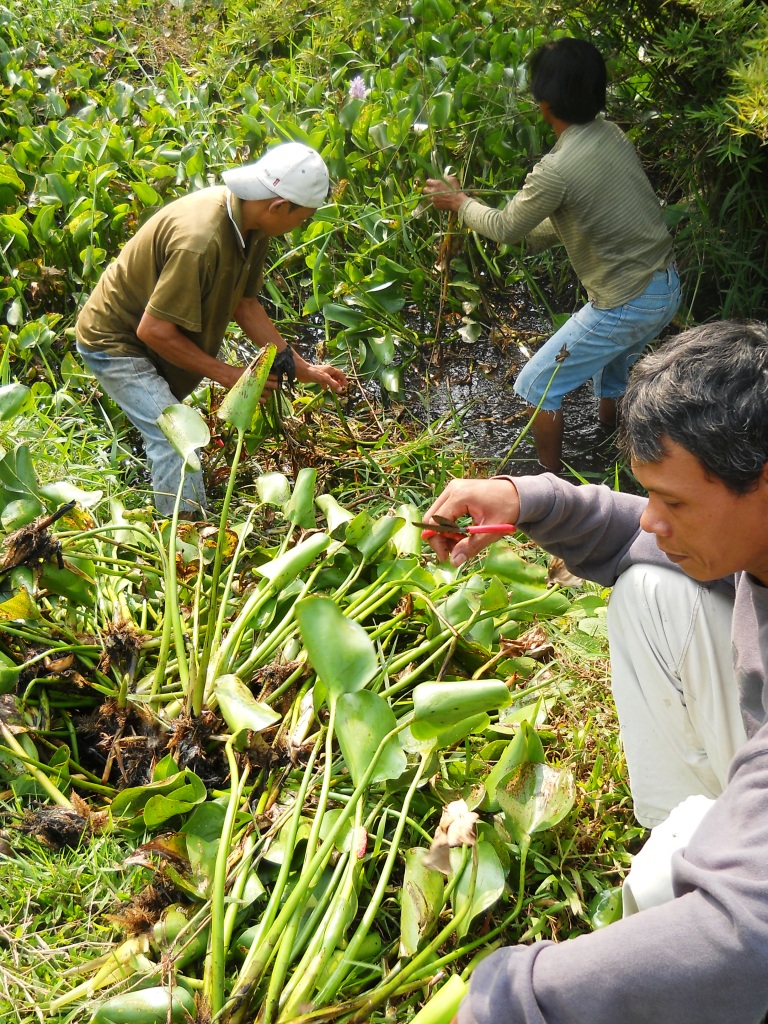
289, 791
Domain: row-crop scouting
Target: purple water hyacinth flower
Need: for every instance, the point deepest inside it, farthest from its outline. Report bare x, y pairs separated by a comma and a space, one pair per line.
357, 89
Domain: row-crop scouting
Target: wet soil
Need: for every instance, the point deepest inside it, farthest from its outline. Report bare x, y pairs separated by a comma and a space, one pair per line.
471, 384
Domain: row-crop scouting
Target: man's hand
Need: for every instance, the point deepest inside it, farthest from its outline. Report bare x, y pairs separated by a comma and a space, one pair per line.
485, 501
330, 378
445, 193
252, 318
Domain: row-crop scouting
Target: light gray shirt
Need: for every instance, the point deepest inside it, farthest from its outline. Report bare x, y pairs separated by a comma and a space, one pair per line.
590, 193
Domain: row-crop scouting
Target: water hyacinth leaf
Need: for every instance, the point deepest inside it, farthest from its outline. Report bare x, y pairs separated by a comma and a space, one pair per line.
543, 602
239, 707
339, 650
76, 581
161, 807
489, 884
391, 378
186, 431
444, 1004
281, 849
606, 908
241, 401
336, 516
17, 472
534, 797
286, 567
421, 900
460, 606
20, 606
146, 195
165, 768
133, 800
437, 705
350, 112
301, 506
202, 834
471, 331
495, 596
343, 840
524, 746
148, 1006
20, 512
12, 398
426, 735
273, 489
383, 347
381, 532
62, 492
535, 714
357, 528
344, 315
502, 559
363, 719
408, 539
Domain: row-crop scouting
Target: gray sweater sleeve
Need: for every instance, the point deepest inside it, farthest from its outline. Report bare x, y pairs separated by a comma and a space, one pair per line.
596, 531
699, 959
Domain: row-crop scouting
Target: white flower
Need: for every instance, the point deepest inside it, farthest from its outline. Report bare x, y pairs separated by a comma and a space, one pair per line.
357, 89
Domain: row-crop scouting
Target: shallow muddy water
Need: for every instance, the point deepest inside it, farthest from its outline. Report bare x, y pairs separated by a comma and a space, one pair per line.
472, 384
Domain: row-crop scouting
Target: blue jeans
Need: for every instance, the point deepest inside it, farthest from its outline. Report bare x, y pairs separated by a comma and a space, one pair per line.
136, 386
601, 344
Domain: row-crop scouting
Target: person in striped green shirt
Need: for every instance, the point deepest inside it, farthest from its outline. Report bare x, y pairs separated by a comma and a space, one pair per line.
591, 194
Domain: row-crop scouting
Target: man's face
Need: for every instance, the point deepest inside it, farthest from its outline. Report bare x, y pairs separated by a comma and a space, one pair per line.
700, 524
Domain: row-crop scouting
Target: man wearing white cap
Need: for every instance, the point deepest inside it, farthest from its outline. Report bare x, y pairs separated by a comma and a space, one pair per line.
153, 325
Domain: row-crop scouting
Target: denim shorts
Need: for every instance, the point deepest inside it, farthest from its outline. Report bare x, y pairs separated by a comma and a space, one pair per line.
601, 344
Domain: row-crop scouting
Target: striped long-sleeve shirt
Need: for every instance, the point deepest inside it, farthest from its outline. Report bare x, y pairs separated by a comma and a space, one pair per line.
590, 193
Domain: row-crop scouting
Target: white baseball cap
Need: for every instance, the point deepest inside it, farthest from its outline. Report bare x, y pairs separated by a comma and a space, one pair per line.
291, 171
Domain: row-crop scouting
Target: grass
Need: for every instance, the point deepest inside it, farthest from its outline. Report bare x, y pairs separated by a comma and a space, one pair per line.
54, 913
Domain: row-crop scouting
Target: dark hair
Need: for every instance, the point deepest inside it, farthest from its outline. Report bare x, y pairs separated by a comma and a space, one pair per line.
706, 390
570, 75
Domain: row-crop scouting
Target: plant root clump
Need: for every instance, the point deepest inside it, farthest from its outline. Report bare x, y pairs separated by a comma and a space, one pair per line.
55, 827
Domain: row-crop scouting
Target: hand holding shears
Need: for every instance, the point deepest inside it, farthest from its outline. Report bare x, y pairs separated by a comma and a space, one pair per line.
439, 526
492, 505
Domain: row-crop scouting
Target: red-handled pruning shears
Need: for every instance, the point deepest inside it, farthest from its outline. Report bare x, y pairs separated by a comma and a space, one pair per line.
441, 527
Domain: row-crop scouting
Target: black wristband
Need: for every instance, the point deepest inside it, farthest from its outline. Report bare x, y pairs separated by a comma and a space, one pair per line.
283, 367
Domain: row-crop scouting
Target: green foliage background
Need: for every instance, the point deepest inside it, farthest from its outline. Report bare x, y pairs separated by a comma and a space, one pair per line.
109, 112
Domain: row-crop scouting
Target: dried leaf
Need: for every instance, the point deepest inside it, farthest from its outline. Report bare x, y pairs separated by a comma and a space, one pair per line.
560, 573
456, 828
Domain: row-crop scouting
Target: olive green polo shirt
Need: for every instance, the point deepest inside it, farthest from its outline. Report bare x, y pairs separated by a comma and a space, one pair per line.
590, 193
189, 265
